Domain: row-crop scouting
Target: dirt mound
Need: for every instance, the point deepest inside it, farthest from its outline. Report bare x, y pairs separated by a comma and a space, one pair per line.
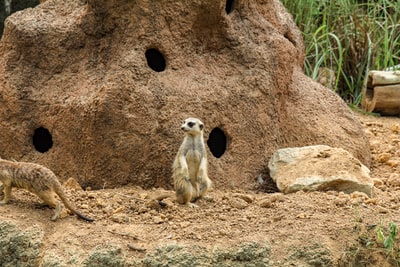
98, 90
235, 227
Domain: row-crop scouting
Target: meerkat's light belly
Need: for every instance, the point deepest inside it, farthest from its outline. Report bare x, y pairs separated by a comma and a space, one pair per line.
193, 158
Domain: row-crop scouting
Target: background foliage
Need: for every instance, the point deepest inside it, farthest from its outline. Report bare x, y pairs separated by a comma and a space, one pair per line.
349, 37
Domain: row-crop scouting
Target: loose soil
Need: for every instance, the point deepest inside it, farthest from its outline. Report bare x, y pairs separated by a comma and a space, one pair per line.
290, 224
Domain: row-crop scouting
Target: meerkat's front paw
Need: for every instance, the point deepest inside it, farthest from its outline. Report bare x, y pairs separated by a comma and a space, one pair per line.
192, 205
207, 198
3, 202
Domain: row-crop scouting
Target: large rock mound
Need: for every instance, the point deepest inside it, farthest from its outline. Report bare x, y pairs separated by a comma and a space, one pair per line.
97, 90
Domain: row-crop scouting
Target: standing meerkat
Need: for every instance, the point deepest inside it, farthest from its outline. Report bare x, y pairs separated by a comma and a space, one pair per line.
37, 179
191, 181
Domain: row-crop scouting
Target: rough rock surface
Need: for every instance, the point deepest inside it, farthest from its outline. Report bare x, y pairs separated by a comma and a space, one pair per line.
20, 247
319, 168
97, 90
8, 7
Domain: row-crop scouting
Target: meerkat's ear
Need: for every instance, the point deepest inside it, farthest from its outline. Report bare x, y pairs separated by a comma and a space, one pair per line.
201, 126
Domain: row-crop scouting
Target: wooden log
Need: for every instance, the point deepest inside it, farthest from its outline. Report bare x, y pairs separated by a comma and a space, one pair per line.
382, 99
395, 67
383, 78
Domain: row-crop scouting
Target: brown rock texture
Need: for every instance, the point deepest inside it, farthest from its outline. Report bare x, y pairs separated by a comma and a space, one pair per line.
97, 90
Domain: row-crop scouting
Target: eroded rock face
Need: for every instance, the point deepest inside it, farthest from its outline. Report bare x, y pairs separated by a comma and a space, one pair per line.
108, 84
319, 168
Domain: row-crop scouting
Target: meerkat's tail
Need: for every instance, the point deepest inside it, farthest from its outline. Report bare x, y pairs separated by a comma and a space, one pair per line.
64, 199
83, 217
162, 196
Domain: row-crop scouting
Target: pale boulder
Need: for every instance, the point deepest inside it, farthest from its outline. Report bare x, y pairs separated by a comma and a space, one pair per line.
319, 168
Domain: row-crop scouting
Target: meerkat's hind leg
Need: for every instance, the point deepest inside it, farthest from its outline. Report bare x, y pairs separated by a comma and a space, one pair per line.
205, 184
7, 194
184, 193
183, 196
57, 212
50, 200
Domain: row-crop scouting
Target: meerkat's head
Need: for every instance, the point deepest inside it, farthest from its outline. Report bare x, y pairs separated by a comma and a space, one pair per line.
192, 126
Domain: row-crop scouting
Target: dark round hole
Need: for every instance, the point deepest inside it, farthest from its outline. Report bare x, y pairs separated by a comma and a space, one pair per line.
155, 60
229, 6
42, 140
217, 142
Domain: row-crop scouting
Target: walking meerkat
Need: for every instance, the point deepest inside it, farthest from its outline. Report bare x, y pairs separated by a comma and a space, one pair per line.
191, 181
37, 179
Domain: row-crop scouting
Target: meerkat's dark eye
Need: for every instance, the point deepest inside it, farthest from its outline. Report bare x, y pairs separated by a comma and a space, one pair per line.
191, 124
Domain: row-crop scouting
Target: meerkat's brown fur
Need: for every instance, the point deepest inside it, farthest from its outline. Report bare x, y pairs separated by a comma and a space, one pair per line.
37, 179
190, 176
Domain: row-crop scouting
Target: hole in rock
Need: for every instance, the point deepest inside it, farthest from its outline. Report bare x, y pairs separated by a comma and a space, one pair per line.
42, 139
290, 37
217, 142
155, 60
229, 6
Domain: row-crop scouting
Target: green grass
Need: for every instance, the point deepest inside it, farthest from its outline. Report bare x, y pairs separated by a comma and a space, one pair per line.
376, 245
350, 37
